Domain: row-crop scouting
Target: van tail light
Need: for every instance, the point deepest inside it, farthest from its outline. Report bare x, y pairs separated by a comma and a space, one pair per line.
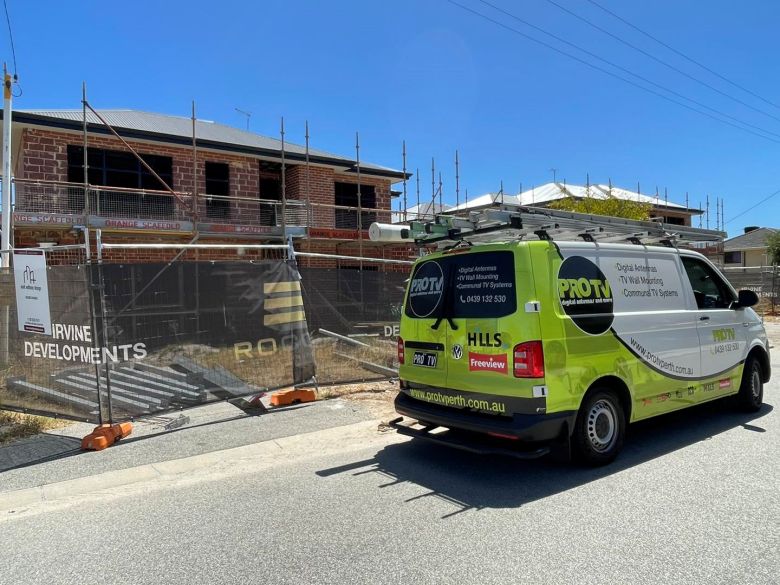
400, 351
529, 360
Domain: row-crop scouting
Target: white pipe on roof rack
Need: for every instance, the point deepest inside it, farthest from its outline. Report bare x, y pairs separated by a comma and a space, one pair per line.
358, 258
176, 246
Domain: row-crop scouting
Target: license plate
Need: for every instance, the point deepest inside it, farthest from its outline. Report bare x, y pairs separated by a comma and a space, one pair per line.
424, 359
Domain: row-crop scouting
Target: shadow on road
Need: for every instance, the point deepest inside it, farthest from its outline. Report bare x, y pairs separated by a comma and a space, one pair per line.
472, 481
43, 447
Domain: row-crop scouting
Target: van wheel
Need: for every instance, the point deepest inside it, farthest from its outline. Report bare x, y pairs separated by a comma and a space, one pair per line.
600, 428
751, 391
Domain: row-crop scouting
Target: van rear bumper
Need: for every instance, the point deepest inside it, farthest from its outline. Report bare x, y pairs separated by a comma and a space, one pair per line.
533, 428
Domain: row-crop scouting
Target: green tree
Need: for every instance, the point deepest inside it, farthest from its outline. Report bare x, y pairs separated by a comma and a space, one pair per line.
773, 247
611, 206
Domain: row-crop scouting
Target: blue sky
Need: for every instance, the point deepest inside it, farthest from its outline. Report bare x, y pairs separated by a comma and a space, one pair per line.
442, 79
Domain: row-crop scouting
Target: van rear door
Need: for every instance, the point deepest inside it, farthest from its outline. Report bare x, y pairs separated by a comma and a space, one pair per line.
484, 324
423, 333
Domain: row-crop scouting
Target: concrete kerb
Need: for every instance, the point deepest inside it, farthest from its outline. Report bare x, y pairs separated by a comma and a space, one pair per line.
204, 467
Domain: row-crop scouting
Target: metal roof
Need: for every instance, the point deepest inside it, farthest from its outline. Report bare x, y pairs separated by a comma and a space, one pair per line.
181, 127
416, 212
488, 199
553, 191
753, 239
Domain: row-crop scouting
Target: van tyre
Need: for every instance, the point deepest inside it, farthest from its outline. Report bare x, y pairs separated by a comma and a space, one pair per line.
600, 428
751, 391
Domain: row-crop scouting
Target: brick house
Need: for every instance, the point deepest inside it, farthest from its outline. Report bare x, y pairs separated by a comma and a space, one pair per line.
543, 195
226, 189
748, 248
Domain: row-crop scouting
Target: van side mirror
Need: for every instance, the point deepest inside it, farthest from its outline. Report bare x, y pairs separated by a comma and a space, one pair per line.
746, 298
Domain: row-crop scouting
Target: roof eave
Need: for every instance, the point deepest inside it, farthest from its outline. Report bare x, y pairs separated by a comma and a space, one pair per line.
129, 133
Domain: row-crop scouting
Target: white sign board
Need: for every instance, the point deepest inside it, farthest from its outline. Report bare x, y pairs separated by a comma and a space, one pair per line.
32, 291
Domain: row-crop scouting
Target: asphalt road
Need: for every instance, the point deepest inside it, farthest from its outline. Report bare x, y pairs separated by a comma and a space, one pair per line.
694, 498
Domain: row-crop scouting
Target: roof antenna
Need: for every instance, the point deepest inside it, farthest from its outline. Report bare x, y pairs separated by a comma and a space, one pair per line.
245, 113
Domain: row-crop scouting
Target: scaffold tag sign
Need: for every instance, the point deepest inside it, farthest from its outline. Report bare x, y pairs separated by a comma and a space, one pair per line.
32, 291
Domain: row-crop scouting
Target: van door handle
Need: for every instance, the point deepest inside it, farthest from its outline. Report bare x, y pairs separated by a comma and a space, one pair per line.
704, 318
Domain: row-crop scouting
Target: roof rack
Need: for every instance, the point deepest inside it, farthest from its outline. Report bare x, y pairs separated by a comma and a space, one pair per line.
518, 223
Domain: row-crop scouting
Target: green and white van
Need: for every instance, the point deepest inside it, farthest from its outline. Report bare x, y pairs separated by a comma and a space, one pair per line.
538, 341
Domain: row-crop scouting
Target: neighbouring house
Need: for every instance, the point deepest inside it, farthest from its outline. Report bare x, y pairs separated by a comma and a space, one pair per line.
423, 211
749, 248
667, 211
226, 185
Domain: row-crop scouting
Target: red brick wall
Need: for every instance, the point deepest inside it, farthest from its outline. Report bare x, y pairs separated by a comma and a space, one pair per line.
44, 154
44, 157
320, 182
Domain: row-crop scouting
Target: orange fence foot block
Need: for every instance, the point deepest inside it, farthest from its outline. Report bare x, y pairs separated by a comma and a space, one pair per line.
287, 397
106, 435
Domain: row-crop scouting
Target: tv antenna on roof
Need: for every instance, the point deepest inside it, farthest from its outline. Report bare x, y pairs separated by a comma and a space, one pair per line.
245, 113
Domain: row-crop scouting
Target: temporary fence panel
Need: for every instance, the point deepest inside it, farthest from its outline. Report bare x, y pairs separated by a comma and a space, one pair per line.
184, 333
354, 315
763, 280
35, 367
200, 323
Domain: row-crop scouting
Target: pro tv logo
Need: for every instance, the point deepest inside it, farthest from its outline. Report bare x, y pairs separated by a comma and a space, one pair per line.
585, 295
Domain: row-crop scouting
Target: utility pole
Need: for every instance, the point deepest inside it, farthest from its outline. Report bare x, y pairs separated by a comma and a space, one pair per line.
7, 237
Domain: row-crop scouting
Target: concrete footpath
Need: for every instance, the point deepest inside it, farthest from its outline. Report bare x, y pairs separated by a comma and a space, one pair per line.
211, 430
211, 466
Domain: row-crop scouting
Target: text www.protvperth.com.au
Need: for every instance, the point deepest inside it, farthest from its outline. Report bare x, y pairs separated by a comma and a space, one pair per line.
459, 401
659, 362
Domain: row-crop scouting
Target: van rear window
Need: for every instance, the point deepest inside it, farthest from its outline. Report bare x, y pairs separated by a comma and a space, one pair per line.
472, 285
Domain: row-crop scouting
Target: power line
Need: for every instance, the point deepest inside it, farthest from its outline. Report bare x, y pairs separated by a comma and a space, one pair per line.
608, 72
752, 207
683, 55
612, 74
628, 71
662, 62
10, 34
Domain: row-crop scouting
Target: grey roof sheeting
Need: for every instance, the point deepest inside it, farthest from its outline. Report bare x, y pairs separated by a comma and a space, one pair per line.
753, 239
178, 129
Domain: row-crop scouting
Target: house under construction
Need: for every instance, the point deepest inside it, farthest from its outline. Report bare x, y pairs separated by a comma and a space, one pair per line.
159, 178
